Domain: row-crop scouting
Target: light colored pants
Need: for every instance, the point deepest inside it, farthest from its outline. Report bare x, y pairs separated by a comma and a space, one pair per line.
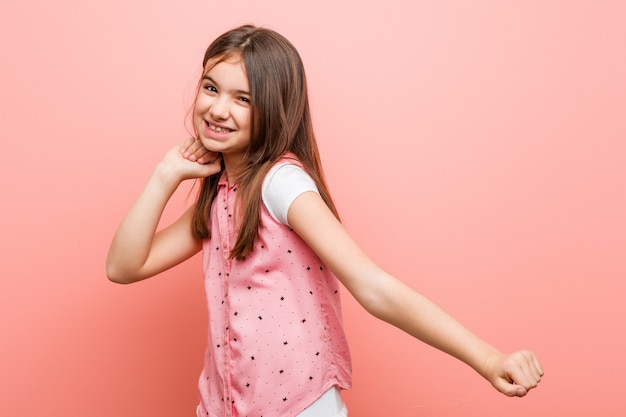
329, 404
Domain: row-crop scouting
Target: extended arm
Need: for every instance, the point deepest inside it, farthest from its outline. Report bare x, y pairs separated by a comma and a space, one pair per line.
138, 251
394, 302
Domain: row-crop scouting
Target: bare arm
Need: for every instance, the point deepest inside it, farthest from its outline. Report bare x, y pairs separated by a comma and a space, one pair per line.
394, 302
138, 251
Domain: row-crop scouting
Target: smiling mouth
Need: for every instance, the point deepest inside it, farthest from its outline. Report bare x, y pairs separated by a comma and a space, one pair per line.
218, 128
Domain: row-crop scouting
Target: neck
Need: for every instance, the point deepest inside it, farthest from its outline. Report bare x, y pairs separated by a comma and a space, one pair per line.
233, 167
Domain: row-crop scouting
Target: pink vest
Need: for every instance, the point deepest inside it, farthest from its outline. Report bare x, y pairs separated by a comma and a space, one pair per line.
276, 339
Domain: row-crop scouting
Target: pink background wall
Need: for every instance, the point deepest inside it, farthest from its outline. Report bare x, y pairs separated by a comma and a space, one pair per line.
475, 149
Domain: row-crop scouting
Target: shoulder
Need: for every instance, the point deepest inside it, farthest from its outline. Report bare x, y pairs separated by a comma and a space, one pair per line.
284, 182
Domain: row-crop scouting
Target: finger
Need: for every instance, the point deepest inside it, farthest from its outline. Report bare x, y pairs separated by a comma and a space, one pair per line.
509, 388
520, 391
528, 376
532, 367
213, 167
537, 365
217, 160
197, 154
185, 144
526, 379
208, 158
521, 383
194, 150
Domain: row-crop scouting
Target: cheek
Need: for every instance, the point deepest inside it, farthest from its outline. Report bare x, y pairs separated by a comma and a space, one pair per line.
197, 118
201, 103
243, 118
197, 105
200, 108
196, 115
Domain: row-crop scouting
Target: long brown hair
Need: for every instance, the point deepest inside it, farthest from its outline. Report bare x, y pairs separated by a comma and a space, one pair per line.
280, 124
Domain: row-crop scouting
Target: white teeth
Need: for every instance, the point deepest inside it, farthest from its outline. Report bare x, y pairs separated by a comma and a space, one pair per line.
219, 129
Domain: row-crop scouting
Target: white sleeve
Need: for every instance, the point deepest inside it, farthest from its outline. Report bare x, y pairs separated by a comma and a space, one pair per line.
281, 186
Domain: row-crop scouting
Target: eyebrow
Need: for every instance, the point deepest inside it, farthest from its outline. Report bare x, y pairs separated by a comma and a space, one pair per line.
208, 78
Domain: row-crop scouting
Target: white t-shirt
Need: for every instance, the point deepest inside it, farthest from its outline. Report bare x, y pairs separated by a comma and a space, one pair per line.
282, 185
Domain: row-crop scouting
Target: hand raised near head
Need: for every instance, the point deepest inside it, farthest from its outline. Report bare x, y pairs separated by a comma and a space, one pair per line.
190, 160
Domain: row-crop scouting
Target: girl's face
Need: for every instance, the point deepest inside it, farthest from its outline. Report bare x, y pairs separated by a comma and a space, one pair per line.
222, 110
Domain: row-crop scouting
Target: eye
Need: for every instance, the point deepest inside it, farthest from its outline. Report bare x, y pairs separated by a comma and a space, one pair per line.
244, 99
209, 87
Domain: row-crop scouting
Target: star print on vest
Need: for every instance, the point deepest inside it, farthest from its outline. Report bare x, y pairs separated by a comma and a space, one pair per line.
277, 318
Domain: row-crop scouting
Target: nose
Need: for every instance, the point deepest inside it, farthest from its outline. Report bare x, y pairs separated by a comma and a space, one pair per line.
220, 108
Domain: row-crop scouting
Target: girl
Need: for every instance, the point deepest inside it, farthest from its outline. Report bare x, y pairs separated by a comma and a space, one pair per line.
273, 247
